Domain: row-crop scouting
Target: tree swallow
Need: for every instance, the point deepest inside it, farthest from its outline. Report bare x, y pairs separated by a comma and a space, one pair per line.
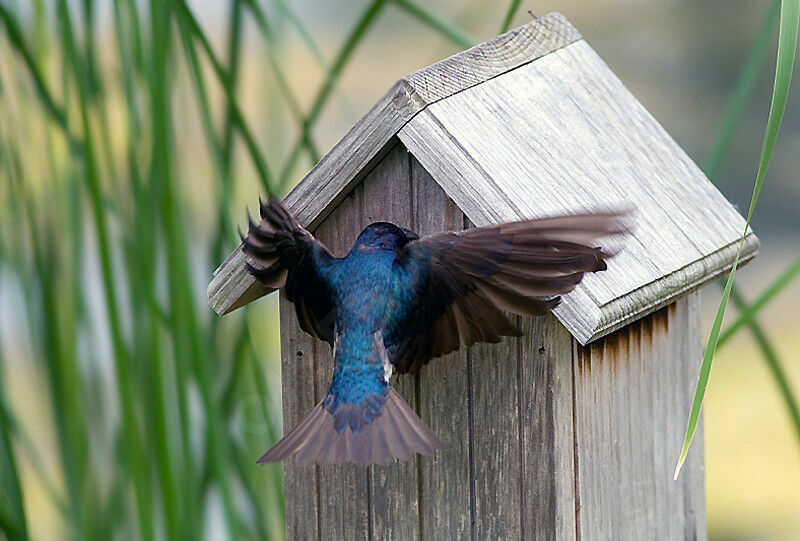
396, 301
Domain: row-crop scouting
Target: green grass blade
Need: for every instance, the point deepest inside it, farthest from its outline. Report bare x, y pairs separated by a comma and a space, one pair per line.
774, 366
134, 451
512, 10
18, 435
191, 343
742, 95
787, 44
351, 42
59, 366
234, 53
12, 508
188, 23
287, 11
12, 512
15, 36
444, 27
743, 91
749, 311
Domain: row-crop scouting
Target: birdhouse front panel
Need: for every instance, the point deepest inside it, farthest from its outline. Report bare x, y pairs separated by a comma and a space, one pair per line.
543, 435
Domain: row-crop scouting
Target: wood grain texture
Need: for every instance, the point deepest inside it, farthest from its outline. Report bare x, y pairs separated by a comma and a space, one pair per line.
372, 137
490, 59
563, 134
298, 384
514, 415
343, 488
546, 436
394, 492
495, 455
633, 390
445, 509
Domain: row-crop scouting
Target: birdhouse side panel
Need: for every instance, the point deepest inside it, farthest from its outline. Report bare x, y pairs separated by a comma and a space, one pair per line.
633, 390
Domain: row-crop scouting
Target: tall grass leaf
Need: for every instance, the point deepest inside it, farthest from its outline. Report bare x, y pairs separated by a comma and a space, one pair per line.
12, 509
774, 366
743, 91
742, 95
270, 33
44, 322
355, 36
188, 23
191, 343
15, 36
749, 311
512, 10
134, 451
12, 512
787, 44
444, 27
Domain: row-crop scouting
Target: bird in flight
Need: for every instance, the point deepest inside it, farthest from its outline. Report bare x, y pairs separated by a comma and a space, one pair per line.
396, 301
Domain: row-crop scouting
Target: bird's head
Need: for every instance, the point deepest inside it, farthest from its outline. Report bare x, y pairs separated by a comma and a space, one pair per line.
384, 236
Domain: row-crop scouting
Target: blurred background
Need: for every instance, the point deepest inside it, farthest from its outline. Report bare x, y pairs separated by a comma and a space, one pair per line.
133, 136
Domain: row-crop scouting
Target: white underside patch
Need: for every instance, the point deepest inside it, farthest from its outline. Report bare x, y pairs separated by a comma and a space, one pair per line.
380, 348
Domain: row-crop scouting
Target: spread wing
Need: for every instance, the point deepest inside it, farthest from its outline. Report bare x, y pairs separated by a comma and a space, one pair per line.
463, 281
284, 254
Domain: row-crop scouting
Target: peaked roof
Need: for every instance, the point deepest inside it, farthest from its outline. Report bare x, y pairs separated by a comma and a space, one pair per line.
529, 124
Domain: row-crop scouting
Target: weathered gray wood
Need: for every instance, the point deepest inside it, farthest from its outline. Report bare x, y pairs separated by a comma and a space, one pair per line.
445, 509
343, 488
563, 134
546, 435
495, 454
507, 412
298, 384
487, 60
394, 492
632, 396
372, 137
694, 501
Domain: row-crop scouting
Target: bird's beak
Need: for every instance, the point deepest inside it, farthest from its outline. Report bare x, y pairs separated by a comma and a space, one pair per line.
410, 235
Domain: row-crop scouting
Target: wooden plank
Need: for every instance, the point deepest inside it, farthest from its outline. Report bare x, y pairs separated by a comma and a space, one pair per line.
693, 479
495, 463
495, 57
343, 488
546, 435
394, 507
495, 429
563, 134
297, 384
371, 137
632, 394
445, 509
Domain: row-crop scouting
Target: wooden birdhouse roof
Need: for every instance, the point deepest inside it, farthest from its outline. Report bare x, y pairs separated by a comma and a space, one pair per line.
529, 124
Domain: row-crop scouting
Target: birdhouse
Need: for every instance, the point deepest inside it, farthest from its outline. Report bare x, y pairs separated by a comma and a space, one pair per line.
572, 430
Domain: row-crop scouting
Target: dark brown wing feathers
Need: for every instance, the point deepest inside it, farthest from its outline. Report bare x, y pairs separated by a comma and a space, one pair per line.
282, 254
474, 275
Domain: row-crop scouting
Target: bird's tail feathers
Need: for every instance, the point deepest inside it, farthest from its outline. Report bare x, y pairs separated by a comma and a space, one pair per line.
396, 433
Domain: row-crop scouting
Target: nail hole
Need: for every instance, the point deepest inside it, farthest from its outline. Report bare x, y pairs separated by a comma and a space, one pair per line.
541, 350
299, 354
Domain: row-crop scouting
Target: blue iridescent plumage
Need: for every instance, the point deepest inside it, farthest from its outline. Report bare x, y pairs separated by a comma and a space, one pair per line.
396, 301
